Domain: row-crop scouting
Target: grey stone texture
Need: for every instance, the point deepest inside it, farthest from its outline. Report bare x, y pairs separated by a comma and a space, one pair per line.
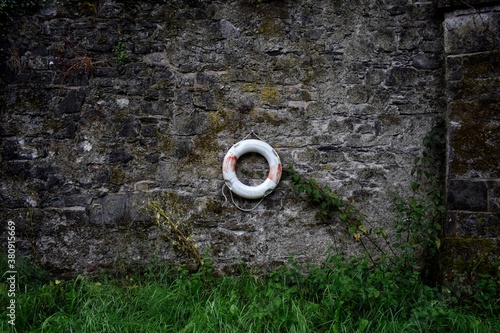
102, 109
454, 4
472, 47
467, 195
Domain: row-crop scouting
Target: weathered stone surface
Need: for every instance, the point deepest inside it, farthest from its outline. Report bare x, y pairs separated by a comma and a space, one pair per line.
98, 101
493, 196
463, 3
481, 28
471, 40
71, 103
467, 195
468, 254
468, 224
474, 76
426, 61
475, 142
120, 156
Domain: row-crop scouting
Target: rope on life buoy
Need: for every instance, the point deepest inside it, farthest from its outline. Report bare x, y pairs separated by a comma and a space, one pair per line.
234, 203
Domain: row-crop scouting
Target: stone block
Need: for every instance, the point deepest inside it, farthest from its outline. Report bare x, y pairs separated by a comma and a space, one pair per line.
108, 209
426, 61
120, 156
101, 40
168, 171
467, 195
183, 97
493, 195
205, 100
9, 201
159, 108
228, 30
190, 123
153, 157
64, 128
474, 139
72, 102
136, 206
467, 255
454, 4
475, 32
149, 131
81, 200
474, 76
9, 150
131, 128
20, 169
396, 7
401, 77
467, 224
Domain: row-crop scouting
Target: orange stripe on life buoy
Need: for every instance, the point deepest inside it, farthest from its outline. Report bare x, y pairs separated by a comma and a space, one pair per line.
230, 164
275, 173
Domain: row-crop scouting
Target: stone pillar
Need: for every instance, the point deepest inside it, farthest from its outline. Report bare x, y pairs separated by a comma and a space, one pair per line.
471, 242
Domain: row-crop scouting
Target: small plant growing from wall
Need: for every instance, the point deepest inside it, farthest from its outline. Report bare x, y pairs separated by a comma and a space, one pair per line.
166, 213
120, 54
9, 7
15, 63
82, 65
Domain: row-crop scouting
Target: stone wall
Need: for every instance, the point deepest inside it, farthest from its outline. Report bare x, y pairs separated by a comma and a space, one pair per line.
106, 104
472, 227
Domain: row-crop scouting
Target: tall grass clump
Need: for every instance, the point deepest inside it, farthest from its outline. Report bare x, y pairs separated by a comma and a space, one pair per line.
342, 295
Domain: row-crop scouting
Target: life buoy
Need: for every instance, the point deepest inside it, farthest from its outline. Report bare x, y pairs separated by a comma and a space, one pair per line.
229, 169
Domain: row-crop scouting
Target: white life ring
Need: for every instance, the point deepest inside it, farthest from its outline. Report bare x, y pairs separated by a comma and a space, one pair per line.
229, 169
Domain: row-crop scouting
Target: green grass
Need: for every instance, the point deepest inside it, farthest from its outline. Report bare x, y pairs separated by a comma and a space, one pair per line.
342, 296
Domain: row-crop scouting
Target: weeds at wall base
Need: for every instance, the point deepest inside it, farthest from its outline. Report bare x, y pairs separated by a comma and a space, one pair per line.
343, 295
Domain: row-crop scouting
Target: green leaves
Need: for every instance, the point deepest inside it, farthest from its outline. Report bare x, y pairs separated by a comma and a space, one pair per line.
418, 219
329, 202
333, 207
119, 51
167, 218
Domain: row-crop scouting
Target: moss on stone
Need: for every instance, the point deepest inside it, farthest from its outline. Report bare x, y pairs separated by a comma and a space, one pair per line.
476, 143
206, 146
305, 95
211, 210
268, 117
390, 119
485, 228
28, 100
118, 175
480, 73
271, 27
270, 95
249, 87
53, 125
468, 255
161, 84
166, 144
88, 8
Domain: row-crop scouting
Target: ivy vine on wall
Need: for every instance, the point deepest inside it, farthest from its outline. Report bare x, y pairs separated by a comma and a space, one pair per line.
418, 218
